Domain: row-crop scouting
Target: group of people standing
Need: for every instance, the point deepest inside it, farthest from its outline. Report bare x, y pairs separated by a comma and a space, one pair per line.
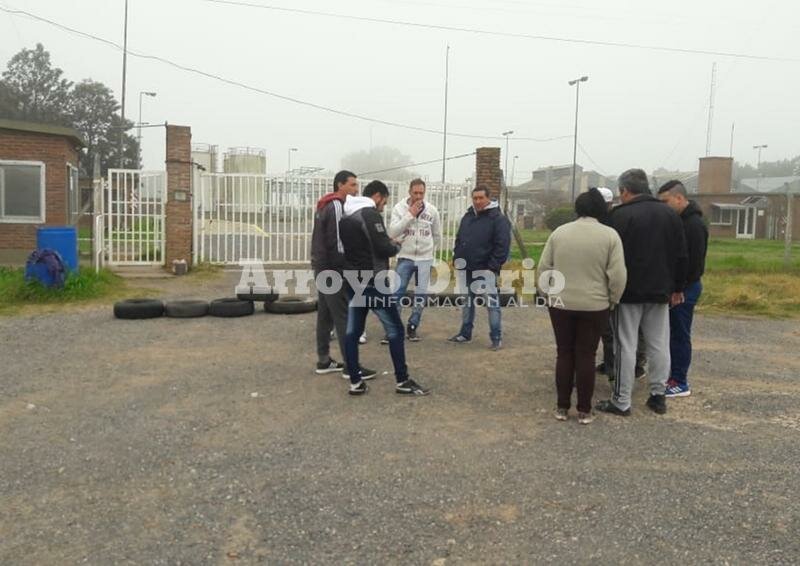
631, 271
349, 234
631, 274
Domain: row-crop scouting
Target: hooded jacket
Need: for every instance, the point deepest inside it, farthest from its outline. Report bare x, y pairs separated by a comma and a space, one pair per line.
655, 249
367, 246
696, 241
418, 235
327, 251
483, 239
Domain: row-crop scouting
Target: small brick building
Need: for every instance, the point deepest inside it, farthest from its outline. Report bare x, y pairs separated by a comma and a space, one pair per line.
38, 183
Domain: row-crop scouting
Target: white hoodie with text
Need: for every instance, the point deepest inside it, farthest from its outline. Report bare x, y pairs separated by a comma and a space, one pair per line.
418, 236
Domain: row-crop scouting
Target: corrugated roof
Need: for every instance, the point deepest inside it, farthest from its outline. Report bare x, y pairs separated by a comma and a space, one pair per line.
39, 128
767, 184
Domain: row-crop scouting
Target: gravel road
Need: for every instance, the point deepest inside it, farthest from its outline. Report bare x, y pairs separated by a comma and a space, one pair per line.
211, 441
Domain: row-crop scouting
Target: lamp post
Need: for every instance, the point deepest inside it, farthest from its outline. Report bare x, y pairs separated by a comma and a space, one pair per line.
758, 167
506, 134
513, 168
121, 160
577, 84
139, 129
289, 170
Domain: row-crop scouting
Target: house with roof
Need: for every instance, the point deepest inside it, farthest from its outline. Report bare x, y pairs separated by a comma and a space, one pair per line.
38, 183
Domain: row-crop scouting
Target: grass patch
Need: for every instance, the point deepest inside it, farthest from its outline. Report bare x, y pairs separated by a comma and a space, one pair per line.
86, 285
743, 277
205, 270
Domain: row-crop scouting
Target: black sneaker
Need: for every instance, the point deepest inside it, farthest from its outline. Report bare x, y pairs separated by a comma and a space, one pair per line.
657, 404
358, 388
411, 332
608, 407
601, 368
331, 366
410, 387
366, 373
458, 339
385, 340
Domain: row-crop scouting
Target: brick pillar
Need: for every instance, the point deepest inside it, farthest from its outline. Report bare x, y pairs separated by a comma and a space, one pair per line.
179, 194
487, 169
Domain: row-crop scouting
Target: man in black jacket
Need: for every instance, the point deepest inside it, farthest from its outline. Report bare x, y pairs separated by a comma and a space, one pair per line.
674, 194
655, 256
327, 254
367, 249
482, 245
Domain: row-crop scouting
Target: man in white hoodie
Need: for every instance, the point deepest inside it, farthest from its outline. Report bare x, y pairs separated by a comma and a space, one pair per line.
415, 224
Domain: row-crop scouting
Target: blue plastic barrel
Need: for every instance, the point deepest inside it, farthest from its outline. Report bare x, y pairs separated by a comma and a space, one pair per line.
63, 239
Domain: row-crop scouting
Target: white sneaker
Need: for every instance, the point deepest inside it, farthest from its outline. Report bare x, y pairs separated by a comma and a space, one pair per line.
362, 339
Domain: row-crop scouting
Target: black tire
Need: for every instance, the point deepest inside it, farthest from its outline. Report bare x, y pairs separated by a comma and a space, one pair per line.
138, 309
230, 308
269, 297
186, 309
291, 305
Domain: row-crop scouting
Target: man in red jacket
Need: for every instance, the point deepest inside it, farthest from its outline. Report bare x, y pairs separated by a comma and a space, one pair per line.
327, 254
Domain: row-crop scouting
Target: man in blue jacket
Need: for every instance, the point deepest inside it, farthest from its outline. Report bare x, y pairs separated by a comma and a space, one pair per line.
482, 246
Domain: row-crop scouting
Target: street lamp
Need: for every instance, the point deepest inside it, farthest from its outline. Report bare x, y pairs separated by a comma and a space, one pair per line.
513, 168
506, 134
758, 167
139, 130
289, 170
577, 84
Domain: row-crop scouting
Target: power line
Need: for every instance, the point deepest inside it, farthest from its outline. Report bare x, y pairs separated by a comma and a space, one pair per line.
264, 91
440, 160
441, 27
592, 161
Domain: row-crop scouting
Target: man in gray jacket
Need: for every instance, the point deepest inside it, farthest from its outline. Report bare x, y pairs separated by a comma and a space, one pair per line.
415, 224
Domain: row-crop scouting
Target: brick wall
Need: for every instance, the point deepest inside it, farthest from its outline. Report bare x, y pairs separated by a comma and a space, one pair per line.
17, 240
179, 181
487, 169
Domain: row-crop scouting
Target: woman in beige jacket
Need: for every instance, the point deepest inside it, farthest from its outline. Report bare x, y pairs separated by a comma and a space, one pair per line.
582, 272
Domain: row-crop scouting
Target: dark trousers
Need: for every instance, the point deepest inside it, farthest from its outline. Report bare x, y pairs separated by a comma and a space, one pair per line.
577, 336
608, 350
331, 313
680, 333
385, 307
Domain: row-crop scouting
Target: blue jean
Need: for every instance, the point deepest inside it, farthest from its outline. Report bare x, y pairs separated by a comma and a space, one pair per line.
385, 307
680, 333
492, 301
406, 269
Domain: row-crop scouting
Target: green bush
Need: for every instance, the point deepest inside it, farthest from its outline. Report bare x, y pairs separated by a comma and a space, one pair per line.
559, 216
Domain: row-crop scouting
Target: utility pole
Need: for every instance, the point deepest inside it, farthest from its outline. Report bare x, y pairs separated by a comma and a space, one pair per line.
513, 168
505, 167
577, 84
124, 78
711, 108
139, 129
444, 137
733, 127
787, 250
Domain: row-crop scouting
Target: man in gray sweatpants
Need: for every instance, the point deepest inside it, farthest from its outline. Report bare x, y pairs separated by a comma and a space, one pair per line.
656, 259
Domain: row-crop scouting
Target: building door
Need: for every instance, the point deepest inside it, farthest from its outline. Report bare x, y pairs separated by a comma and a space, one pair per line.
746, 223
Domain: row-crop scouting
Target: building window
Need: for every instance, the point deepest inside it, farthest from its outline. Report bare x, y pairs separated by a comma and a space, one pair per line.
21, 191
721, 216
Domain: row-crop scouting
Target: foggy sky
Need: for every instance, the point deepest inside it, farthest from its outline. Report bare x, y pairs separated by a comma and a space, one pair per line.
640, 108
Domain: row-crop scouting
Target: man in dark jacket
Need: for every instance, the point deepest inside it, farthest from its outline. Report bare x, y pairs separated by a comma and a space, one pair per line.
655, 256
327, 254
482, 245
367, 249
674, 194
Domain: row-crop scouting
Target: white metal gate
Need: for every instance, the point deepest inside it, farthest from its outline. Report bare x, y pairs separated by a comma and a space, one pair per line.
132, 223
244, 216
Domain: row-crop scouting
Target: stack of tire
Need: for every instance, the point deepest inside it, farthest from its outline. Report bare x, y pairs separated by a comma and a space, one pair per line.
241, 305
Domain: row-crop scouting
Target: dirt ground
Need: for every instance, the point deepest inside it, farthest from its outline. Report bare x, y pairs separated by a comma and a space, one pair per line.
211, 441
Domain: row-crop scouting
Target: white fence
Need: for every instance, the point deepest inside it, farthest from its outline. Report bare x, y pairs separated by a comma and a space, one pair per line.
129, 221
243, 216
